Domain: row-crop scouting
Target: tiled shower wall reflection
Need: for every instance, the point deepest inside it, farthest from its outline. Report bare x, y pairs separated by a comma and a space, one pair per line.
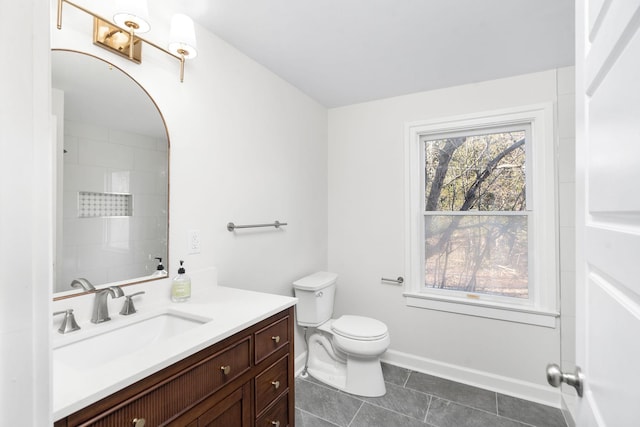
112, 248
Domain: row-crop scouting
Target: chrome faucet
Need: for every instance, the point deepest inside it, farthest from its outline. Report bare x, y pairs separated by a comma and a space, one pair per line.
100, 307
83, 283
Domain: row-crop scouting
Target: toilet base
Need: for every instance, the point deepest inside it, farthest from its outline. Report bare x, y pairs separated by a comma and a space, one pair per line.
354, 375
365, 377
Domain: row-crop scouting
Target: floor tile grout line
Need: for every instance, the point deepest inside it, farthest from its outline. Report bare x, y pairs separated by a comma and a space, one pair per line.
362, 399
406, 380
474, 408
426, 415
356, 414
391, 410
434, 394
317, 416
328, 387
518, 421
564, 417
430, 395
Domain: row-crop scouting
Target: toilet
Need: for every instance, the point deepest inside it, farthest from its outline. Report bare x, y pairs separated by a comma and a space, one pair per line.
344, 352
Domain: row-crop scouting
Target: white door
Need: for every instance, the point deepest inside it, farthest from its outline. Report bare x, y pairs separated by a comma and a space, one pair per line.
608, 211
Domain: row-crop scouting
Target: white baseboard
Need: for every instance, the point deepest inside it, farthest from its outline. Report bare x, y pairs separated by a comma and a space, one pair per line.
505, 385
545, 395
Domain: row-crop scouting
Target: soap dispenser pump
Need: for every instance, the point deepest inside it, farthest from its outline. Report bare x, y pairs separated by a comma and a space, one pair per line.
181, 286
160, 271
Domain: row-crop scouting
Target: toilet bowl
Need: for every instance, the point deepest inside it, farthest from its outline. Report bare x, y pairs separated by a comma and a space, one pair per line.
344, 352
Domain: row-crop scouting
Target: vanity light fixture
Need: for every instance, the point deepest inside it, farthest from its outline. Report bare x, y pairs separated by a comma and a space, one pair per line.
122, 36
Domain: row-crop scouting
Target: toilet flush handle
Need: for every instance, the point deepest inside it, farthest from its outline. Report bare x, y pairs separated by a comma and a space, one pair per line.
319, 294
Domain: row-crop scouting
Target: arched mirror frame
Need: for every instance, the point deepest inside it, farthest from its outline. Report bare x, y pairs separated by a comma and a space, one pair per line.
142, 279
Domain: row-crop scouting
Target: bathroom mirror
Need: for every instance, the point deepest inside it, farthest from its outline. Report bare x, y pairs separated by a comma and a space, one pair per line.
112, 175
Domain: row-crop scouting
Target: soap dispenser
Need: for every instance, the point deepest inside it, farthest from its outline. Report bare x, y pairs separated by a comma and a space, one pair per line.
160, 271
181, 286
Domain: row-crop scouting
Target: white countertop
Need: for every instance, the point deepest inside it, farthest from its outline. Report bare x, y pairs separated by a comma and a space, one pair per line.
230, 309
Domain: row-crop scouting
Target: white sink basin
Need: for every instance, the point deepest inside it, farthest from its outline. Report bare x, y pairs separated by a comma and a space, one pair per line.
109, 342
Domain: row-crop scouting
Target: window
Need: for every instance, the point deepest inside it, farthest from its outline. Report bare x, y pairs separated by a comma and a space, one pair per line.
481, 215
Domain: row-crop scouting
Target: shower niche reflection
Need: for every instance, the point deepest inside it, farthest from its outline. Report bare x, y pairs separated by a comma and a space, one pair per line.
112, 174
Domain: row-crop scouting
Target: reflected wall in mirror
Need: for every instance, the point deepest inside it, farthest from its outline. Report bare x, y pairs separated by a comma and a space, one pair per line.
112, 175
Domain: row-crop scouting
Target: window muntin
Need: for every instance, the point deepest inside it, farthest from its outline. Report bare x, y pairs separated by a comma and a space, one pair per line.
540, 308
476, 221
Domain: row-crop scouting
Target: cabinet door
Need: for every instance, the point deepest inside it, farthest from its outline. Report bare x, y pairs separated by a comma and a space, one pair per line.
232, 411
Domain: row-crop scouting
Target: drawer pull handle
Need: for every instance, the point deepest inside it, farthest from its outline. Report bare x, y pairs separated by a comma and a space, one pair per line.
225, 369
276, 384
138, 422
275, 423
276, 339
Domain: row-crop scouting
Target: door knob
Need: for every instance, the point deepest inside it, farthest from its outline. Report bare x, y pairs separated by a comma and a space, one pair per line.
556, 377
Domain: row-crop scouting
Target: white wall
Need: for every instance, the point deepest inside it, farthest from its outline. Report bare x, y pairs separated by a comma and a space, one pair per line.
366, 240
246, 147
25, 222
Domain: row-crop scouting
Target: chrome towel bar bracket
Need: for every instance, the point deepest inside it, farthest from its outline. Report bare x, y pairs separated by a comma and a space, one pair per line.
232, 227
398, 281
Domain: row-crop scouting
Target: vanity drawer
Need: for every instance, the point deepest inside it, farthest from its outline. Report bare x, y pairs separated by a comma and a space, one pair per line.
174, 395
230, 363
277, 415
271, 338
272, 383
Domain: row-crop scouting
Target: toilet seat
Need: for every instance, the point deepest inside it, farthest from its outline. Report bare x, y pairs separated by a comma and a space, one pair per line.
359, 328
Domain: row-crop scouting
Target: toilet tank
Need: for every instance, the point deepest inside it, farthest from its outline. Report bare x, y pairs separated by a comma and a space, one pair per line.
315, 298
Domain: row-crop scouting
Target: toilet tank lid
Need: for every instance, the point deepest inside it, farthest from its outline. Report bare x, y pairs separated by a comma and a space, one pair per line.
315, 281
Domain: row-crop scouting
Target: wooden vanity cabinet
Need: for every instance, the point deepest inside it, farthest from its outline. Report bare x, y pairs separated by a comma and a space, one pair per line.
245, 380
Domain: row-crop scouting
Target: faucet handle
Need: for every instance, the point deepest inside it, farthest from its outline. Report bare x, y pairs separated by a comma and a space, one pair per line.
68, 323
128, 307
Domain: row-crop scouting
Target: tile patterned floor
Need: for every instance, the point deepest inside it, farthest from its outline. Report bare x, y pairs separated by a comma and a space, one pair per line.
415, 399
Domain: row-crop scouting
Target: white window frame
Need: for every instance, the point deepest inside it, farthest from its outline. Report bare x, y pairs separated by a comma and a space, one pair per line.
541, 306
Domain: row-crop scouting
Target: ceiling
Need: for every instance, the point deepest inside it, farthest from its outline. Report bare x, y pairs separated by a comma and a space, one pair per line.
342, 52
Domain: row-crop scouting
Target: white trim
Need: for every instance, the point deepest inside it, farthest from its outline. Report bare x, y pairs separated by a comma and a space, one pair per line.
543, 394
488, 309
541, 308
477, 213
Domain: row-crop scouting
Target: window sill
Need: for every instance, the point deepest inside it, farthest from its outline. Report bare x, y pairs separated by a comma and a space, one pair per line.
487, 309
